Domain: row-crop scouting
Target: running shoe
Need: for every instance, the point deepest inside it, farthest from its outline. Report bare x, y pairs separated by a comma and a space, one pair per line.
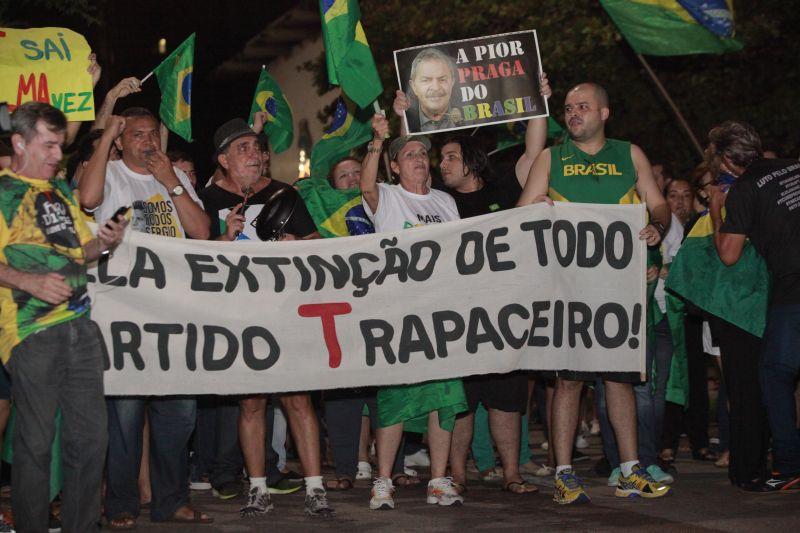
258, 503
640, 484
569, 489
382, 491
442, 492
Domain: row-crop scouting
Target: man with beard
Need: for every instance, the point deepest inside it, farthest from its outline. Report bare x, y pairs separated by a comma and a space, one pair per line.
233, 203
590, 168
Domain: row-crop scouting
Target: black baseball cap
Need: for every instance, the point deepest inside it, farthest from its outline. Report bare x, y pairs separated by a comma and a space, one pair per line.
229, 132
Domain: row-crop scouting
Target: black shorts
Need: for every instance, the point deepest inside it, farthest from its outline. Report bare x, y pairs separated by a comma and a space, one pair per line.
616, 377
504, 392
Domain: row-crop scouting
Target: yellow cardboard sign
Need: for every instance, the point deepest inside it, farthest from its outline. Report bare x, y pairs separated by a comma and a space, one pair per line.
46, 65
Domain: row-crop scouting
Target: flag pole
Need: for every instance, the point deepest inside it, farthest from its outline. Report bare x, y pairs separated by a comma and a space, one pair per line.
378, 110
146, 78
671, 103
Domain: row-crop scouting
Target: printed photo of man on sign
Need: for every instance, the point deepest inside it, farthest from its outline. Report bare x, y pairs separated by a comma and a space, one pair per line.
471, 82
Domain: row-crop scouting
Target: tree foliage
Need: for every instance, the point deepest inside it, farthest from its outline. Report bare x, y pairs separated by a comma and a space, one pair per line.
579, 42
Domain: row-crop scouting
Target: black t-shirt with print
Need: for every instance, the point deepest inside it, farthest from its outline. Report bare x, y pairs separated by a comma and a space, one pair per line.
764, 204
218, 202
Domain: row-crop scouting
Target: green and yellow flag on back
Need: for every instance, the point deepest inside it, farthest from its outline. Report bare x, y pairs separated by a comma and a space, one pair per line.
269, 98
175, 79
675, 27
738, 294
347, 53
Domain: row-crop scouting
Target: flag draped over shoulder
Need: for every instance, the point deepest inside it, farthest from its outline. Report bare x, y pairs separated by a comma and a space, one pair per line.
328, 206
269, 98
347, 53
675, 27
351, 128
738, 294
175, 79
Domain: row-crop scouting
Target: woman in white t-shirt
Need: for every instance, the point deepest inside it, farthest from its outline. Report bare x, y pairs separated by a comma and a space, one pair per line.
431, 406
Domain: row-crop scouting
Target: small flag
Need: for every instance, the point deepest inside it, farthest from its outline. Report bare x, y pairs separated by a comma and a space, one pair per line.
279, 127
675, 27
351, 127
175, 79
328, 207
347, 53
513, 133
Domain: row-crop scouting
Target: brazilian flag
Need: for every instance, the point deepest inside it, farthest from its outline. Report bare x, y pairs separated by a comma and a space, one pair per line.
175, 79
350, 129
512, 134
347, 53
675, 27
738, 294
328, 206
279, 127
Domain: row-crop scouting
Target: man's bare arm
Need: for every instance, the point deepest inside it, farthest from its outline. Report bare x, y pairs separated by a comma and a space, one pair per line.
93, 179
535, 139
648, 191
538, 181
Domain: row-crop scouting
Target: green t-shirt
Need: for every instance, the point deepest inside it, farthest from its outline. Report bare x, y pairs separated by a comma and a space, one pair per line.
607, 177
41, 231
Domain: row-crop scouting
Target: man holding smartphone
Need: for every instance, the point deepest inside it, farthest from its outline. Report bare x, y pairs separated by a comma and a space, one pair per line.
164, 203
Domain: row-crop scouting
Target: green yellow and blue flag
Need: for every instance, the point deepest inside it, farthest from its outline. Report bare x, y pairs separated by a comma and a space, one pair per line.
512, 134
350, 128
269, 98
328, 206
675, 27
347, 52
738, 294
175, 79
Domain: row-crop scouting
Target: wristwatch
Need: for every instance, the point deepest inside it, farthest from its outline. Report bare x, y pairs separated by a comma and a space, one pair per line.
371, 148
176, 191
659, 228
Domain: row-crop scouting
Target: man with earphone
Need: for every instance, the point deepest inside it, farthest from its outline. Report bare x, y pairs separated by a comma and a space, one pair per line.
51, 348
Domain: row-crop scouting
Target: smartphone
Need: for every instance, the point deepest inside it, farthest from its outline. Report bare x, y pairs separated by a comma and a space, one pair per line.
119, 213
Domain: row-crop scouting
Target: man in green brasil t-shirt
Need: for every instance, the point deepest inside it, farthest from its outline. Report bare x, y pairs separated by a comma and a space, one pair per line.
49, 345
590, 168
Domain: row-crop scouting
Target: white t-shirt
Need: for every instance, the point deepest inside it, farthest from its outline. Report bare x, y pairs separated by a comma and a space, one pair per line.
153, 210
399, 209
669, 248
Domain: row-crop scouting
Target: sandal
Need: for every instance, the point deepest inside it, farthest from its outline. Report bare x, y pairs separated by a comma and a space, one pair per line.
404, 480
198, 517
491, 476
525, 488
704, 454
122, 522
342, 484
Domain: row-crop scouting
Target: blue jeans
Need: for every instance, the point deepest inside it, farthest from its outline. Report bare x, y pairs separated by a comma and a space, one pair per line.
172, 420
650, 400
61, 366
780, 365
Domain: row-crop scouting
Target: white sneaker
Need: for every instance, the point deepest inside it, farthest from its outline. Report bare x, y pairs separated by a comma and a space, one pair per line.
442, 492
381, 494
420, 458
581, 442
364, 470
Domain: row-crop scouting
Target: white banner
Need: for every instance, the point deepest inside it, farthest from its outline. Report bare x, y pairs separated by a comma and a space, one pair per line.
537, 287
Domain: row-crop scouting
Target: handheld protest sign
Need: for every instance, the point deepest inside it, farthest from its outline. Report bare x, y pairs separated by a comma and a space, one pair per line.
471, 82
47, 65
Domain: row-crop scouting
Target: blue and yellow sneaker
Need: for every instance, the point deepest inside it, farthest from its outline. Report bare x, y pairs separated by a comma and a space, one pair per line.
641, 484
569, 489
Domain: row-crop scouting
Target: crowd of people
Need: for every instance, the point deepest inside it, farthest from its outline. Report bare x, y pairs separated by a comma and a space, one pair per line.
158, 448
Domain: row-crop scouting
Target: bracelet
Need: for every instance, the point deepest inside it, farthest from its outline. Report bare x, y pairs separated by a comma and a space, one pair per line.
371, 148
659, 228
100, 251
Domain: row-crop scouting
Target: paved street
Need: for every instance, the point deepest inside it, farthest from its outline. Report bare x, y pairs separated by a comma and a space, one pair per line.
703, 500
